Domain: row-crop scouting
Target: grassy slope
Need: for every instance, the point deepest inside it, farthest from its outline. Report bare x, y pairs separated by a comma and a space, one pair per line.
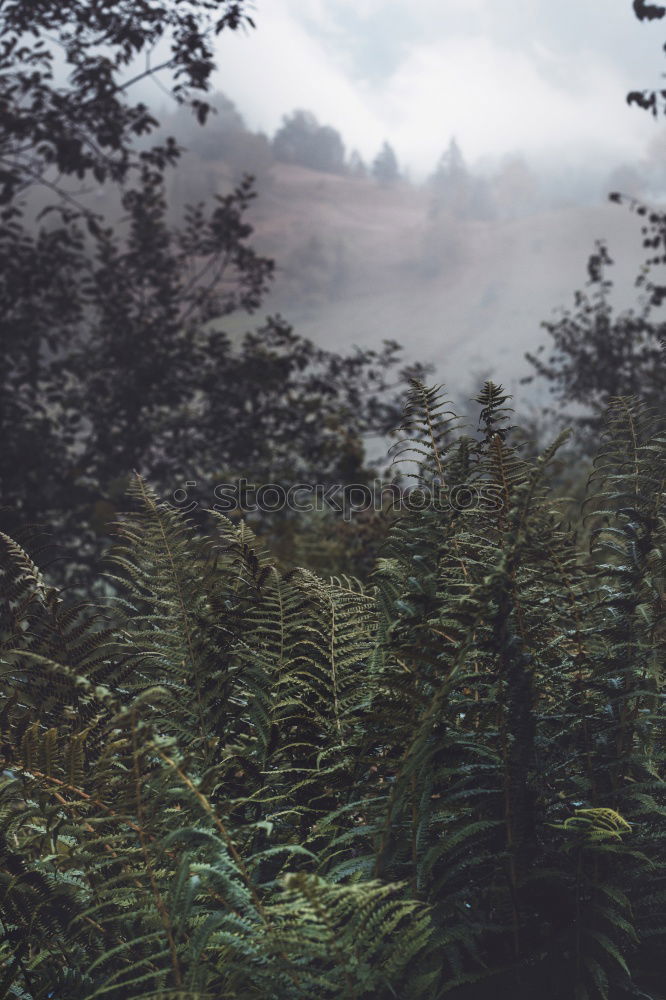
351, 270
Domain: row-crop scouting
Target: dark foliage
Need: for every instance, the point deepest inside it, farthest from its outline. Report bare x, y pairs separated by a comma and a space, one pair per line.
653, 101
87, 125
115, 358
598, 353
257, 784
115, 361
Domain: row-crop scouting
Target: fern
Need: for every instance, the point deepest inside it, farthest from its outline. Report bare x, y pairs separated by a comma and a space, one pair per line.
242, 782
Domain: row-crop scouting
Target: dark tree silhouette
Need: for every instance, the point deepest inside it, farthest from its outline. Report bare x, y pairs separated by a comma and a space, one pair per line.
115, 354
598, 353
88, 124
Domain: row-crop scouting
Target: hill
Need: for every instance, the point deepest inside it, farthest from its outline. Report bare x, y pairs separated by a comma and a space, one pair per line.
358, 262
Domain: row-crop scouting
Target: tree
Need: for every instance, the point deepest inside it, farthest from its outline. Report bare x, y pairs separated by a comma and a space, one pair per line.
356, 165
449, 188
88, 125
454, 191
115, 354
302, 140
598, 354
451, 168
385, 168
103, 338
212, 139
222, 139
118, 362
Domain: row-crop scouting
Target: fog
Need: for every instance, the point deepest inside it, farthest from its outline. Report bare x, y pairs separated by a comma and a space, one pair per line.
534, 95
461, 267
548, 80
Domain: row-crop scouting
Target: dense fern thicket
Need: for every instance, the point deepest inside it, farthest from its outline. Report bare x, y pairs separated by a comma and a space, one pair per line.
244, 783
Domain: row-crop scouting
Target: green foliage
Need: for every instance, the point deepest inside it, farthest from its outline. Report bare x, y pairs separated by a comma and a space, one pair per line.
597, 353
247, 782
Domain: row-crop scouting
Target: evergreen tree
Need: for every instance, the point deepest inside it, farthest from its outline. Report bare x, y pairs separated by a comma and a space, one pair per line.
451, 168
455, 191
356, 165
385, 168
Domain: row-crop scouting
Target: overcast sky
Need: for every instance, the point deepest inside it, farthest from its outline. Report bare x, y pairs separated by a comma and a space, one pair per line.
547, 78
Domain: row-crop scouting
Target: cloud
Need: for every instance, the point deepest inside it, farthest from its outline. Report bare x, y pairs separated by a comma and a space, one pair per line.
495, 100
520, 76
282, 66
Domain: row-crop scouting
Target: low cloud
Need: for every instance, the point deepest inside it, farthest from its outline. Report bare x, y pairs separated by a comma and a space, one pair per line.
496, 101
496, 90
282, 66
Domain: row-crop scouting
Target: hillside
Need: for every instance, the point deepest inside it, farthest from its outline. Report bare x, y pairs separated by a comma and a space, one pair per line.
358, 263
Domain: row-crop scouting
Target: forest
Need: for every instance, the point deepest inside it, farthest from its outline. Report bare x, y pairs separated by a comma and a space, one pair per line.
404, 742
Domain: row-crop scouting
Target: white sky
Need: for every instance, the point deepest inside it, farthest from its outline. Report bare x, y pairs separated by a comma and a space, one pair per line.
547, 78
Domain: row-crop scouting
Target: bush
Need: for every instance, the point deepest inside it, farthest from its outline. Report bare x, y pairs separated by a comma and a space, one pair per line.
248, 783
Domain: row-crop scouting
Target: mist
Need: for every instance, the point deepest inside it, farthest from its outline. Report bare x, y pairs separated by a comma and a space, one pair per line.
460, 263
